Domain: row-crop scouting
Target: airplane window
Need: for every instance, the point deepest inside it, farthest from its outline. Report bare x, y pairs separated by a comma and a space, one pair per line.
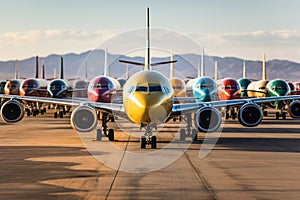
102, 86
165, 89
178, 87
156, 88
262, 88
141, 89
131, 89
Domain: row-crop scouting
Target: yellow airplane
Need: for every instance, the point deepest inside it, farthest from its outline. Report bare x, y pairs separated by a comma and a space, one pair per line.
148, 100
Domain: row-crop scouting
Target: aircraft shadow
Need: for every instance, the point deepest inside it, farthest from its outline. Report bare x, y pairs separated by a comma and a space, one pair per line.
22, 178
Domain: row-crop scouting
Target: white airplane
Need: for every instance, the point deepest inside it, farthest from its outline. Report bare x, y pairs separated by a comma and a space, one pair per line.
148, 101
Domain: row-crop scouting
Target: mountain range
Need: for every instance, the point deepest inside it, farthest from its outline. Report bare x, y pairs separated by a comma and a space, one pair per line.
186, 66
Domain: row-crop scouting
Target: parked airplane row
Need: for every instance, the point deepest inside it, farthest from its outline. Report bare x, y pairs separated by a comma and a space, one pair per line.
149, 99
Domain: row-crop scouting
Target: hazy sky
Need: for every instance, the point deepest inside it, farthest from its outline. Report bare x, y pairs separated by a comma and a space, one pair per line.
244, 29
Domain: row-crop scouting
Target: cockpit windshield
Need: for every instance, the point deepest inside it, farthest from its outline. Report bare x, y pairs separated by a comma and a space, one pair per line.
152, 88
102, 86
279, 88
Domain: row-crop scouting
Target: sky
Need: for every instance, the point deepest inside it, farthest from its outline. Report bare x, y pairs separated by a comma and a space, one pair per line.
244, 29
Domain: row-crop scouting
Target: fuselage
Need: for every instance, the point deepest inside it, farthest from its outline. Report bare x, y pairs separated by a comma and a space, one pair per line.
243, 83
204, 89
178, 87
2, 85
148, 98
228, 89
297, 88
59, 88
34, 87
278, 88
257, 89
102, 89
80, 85
12, 87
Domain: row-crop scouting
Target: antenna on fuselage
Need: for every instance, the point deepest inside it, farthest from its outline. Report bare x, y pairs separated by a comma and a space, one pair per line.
17, 70
264, 68
54, 73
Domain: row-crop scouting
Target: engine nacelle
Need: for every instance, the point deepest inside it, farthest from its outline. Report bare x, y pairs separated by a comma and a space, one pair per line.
250, 115
208, 119
84, 119
12, 111
294, 109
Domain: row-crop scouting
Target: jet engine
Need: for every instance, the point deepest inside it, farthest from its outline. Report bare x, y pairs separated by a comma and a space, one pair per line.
84, 119
294, 109
207, 119
12, 111
250, 115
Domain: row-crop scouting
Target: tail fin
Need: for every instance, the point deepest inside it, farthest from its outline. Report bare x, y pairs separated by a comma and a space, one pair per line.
202, 72
61, 67
17, 70
43, 70
172, 66
105, 63
37, 67
147, 65
264, 68
216, 70
244, 69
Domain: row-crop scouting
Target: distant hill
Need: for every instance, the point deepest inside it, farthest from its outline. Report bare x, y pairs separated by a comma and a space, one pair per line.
185, 67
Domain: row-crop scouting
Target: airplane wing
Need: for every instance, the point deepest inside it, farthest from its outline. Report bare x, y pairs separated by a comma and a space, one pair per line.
107, 107
184, 108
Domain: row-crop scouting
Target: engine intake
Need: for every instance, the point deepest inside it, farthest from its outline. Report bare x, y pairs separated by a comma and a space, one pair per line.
294, 109
207, 119
12, 111
250, 115
84, 119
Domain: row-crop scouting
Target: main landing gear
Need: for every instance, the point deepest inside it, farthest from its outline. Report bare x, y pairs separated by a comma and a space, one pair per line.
188, 131
34, 109
110, 133
148, 138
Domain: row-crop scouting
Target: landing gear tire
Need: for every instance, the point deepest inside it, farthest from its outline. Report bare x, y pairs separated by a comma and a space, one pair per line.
194, 135
111, 134
153, 142
277, 115
55, 115
143, 142
265, 113
284, 115
61, 114
182, 135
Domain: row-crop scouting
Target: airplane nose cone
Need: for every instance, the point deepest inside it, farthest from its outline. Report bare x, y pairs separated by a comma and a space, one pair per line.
144, 109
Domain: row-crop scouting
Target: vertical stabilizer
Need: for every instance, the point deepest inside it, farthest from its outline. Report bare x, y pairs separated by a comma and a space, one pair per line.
216, 70
43, 69
17, 70
85, 72
264, 68
172, 66
147, 54
105, 63
54, 73
244, 69
127, 72
61, 67
202, 72
37, 67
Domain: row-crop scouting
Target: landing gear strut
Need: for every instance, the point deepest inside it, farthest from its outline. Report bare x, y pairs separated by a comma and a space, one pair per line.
110, 133
148, 138
188, 131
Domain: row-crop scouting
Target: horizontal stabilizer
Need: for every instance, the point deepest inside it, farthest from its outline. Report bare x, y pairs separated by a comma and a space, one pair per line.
131, 62
163, 63
143, 64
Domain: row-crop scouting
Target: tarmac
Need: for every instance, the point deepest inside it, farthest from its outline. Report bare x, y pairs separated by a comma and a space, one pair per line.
44, 158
